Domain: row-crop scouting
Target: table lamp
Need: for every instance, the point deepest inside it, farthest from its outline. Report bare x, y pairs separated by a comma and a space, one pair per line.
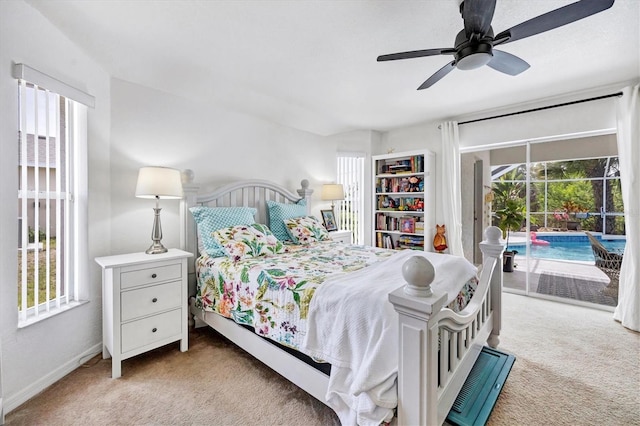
332, 192
158, 182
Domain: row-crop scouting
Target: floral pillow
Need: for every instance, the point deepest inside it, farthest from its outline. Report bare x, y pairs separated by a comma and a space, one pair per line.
306, 230
210, 219
246, 241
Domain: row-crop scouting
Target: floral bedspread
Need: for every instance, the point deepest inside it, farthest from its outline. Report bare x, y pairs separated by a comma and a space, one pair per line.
272, 293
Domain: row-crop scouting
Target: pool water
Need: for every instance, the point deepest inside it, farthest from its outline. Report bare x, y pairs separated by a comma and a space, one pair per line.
579, 249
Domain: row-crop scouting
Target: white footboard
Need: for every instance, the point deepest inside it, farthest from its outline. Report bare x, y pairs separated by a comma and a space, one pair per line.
438, 347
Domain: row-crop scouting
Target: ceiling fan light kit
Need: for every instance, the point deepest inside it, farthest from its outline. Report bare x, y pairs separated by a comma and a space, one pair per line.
474, 55
474, 45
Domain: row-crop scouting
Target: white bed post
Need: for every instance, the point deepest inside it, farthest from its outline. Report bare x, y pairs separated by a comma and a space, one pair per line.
305, 192
417, 365
492, 248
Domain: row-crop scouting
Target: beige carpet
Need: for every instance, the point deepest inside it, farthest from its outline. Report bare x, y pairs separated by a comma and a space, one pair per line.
574, 366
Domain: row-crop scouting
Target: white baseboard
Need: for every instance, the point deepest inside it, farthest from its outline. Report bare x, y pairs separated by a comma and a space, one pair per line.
11, 402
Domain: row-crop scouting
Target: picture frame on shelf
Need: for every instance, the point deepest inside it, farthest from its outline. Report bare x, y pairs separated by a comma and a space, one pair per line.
408, 225
329, 220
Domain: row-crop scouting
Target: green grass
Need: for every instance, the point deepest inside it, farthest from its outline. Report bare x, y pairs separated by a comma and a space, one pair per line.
42, 275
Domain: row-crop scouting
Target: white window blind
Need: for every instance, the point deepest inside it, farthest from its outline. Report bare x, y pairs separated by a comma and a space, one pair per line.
50, 127
350, 173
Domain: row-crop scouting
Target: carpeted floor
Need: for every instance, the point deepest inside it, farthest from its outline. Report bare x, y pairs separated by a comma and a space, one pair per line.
575, 288
575, 366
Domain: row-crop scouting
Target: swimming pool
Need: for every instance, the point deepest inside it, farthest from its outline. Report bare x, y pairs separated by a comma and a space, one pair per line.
567, 247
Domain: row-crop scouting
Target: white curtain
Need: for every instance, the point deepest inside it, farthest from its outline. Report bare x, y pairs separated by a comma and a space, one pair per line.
628, 309
450, 186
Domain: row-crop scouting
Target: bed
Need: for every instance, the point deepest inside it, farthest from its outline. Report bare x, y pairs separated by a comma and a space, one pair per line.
296, 295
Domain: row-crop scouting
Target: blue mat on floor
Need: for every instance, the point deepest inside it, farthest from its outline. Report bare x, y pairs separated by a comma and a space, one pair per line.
481, 389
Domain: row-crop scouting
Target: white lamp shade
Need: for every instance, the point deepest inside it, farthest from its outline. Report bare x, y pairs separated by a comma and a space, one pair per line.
161, 182
332, 191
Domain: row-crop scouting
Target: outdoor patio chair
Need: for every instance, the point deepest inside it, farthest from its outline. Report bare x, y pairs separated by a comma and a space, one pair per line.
607, 262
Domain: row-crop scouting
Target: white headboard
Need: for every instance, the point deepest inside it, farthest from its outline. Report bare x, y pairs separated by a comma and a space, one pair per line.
244, 193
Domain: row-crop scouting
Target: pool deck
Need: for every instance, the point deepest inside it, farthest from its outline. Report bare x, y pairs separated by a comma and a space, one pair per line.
516, 280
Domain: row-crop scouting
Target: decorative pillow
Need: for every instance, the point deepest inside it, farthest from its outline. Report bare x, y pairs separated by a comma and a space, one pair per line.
245, 241
278, 212
210, 219
306, 230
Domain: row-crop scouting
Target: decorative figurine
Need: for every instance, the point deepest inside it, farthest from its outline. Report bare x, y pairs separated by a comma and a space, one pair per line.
440, 241
414, 184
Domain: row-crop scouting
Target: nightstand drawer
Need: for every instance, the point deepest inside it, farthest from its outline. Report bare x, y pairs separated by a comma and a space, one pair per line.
138, 277
149, 300
146, 331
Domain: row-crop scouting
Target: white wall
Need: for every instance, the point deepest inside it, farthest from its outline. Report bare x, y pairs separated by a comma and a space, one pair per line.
588, 118
38, 355
150, 127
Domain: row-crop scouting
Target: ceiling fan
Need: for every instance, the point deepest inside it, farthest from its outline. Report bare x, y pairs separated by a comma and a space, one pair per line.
474, 45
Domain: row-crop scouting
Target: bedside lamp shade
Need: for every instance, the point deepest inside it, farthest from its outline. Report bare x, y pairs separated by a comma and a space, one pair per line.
332, 192
158, 182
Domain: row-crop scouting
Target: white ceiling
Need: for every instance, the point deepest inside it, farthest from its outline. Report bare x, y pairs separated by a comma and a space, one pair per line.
312, 65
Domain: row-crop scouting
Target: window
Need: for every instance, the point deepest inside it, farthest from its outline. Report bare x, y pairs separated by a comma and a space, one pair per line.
350, 173
564, 193
51, 198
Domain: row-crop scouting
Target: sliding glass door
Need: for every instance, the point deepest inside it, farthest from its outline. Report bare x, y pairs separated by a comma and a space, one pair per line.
552, 211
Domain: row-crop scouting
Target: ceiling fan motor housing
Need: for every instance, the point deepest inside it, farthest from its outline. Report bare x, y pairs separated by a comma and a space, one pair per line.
473, 53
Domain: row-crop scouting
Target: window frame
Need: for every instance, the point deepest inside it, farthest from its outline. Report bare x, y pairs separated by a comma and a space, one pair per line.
75, 215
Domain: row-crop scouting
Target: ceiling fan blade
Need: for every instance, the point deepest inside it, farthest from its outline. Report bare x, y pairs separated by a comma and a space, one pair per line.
477, 15
415, 54
438, 75
554, 19
507, 63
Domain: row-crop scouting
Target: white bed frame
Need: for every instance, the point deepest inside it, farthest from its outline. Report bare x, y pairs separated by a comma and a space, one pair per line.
429, 379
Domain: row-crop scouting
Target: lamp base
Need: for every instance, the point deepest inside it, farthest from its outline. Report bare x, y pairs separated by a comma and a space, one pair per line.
156, 233
156, 248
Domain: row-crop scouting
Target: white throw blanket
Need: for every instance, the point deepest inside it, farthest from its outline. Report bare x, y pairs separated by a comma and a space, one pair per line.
352, 325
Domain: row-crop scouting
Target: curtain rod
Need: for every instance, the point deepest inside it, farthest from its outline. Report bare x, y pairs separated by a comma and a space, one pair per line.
619, 94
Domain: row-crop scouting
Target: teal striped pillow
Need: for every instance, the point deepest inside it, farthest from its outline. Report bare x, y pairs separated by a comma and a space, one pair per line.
211, 219
279, 212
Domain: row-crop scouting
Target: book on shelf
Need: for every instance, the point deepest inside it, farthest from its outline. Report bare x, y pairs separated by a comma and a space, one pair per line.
413, 164
384, 241
399, 184
388, 242
411, 241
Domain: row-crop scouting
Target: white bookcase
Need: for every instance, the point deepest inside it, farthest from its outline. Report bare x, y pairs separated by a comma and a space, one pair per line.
404, 200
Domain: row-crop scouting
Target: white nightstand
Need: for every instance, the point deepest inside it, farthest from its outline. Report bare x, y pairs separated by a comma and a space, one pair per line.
144, 303
343, 236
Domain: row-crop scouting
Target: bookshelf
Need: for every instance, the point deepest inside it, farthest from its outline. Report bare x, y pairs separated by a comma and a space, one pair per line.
404, 200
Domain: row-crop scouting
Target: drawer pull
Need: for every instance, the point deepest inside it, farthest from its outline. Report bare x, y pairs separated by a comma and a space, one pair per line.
154, 275
154, 330
154, 300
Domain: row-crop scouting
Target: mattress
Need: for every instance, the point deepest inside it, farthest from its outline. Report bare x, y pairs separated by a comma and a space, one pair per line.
272, 293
